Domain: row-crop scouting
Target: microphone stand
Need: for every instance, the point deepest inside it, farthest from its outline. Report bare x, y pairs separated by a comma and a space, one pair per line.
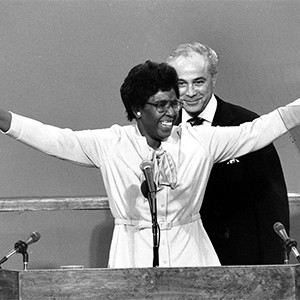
286, 256
21, 247
151, 196
153, 209
288, 244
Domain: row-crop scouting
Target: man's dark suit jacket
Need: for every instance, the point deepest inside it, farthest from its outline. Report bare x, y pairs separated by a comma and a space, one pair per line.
244, 199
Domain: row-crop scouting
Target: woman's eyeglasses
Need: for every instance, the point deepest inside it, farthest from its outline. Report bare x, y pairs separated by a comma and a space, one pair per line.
163, 105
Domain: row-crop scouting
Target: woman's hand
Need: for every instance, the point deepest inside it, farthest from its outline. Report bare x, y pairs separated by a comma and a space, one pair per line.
5, 120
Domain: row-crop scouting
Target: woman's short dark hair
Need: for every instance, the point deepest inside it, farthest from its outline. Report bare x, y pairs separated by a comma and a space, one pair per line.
145, 80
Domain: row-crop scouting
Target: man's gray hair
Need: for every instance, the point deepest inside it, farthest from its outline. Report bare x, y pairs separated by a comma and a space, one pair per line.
195, 47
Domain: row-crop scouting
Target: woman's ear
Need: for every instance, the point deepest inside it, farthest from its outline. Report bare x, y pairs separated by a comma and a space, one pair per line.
137, 113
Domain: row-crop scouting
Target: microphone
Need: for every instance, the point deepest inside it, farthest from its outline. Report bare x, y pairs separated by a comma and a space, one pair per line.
147, 167
22, 246
34, 237
290, 243
145, 189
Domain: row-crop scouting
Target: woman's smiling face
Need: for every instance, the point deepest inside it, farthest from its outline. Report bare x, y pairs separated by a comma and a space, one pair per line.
157, 126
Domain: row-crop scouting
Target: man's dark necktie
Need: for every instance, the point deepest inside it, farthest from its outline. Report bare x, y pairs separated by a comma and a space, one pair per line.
195, 121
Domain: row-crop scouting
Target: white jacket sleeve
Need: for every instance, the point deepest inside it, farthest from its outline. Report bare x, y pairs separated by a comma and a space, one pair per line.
290, 114
229, 142
54, 141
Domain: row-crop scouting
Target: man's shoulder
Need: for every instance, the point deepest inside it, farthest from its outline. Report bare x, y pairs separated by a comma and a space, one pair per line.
239, 113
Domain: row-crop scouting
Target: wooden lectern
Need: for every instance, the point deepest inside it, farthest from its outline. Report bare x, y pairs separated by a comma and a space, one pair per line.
230, 282
236, 282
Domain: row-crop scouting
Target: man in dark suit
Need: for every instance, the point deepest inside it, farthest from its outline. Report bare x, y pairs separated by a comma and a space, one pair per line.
244, 196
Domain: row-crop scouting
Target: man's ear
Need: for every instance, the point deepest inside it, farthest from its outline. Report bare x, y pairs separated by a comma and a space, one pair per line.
214, 79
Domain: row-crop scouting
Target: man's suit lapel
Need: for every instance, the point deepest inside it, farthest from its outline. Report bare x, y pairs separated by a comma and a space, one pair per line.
223, 115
